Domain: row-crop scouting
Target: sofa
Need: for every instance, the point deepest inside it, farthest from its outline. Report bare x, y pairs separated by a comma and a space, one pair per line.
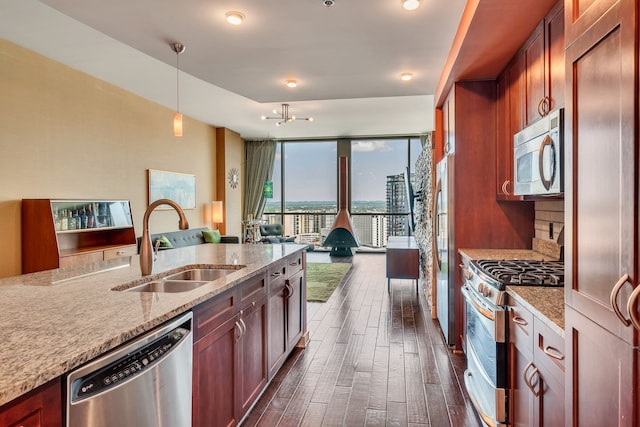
189, 237
274, 233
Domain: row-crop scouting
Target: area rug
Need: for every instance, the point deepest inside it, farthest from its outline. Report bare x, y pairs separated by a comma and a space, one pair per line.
323, 278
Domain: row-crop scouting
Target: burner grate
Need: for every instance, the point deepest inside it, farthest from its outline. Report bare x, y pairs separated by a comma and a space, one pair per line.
524, 272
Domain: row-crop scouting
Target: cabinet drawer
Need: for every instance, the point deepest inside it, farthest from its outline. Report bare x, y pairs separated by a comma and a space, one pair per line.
129, 250
549, 349
520, 326
211, 314
82, 258
295, 263
253, 291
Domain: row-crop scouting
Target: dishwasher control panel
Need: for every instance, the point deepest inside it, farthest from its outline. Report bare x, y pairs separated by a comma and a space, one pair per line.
128, 366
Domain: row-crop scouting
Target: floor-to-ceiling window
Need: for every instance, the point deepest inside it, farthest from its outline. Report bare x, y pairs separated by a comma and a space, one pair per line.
304, 182
305, 188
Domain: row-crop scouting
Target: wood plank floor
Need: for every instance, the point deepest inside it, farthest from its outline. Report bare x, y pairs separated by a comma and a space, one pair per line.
374, 359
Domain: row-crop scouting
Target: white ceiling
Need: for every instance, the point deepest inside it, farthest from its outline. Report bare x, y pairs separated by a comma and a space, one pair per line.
346, 58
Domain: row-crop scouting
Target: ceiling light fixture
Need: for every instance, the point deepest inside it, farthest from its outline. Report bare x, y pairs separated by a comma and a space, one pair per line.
406, 76
284, 116
234, 18
178, 48
291, 83
410, 4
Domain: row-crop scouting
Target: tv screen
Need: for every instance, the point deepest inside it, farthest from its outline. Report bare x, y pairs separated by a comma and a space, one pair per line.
410, 199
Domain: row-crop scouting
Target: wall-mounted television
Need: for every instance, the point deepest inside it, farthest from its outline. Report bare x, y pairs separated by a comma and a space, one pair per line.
410, 199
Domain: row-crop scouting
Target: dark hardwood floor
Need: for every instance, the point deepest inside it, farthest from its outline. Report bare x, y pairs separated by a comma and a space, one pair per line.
374, 359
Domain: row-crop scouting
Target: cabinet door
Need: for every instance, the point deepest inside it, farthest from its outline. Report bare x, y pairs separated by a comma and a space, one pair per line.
214, 377
277, 336
601, 156
252, 355
549, 406
521, 400
504, 139
296, 300
554, 56
516, 94
600, 376
534, 75
40, 408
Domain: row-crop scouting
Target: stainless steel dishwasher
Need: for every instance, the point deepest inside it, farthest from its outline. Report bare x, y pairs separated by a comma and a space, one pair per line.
145, 383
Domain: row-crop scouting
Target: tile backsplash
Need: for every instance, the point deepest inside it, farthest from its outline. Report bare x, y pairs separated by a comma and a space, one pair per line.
549, 219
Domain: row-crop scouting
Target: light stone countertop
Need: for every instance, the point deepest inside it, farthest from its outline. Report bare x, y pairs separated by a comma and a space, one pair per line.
56, 320
547, 303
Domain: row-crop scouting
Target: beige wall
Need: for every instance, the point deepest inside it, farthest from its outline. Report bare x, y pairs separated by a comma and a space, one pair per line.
64, 134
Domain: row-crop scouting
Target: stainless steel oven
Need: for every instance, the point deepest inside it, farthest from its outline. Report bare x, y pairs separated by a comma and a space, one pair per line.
484, 291
485, 380
537, 155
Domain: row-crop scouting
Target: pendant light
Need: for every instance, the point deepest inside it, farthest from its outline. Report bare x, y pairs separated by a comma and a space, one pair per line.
178, 48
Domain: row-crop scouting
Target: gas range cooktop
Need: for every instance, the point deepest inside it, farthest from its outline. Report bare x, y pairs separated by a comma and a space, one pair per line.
521, 272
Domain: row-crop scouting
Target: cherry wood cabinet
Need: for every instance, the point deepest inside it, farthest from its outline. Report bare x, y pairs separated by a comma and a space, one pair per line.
529, 87
601, 215
40, 408
64, 233
542, 72
475, 218
536, 370
230, 360
287, 313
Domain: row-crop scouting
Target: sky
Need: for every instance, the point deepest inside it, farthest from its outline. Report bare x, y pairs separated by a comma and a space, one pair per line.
311, 169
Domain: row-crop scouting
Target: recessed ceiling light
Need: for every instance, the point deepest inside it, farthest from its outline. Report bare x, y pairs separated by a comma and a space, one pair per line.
234, 18
291, 83
406, 76
410, 4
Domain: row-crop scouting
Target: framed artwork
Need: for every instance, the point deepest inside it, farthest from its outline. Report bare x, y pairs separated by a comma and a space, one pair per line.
179, 187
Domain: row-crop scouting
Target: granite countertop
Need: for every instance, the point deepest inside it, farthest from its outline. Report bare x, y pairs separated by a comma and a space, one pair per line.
547, 303
56, 320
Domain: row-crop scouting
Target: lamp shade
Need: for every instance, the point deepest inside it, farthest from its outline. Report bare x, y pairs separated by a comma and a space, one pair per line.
177, 124
216, 212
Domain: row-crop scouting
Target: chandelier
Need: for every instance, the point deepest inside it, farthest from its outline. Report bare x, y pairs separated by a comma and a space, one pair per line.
284, 117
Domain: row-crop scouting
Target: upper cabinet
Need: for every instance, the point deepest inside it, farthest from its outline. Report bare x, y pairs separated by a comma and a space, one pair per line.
63, 233
529, 87
541, 69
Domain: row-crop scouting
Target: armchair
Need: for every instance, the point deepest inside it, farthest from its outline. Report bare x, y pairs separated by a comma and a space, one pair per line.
274, 233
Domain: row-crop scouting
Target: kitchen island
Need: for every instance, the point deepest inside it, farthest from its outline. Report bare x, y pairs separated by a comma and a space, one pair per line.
56, 320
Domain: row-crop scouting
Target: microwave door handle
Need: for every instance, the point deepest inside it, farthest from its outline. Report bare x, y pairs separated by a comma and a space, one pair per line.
546, 142
436, 224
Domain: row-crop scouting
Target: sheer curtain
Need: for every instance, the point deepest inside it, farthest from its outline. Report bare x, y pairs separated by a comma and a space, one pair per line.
260, 158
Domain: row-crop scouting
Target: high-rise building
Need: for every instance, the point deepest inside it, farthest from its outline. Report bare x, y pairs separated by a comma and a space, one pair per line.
397, 204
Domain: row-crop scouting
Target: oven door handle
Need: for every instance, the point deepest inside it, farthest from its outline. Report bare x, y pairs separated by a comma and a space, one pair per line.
482, 310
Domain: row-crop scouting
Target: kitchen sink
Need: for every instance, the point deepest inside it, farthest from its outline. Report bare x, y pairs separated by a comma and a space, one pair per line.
168, 286
182, 281
201, 274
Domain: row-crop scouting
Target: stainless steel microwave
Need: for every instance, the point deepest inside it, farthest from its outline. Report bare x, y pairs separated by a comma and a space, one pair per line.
538, 157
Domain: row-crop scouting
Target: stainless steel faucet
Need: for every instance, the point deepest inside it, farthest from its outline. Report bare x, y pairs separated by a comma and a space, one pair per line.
146, 251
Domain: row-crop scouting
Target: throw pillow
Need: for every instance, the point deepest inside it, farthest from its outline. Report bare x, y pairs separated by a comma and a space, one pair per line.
212, 236
164, 242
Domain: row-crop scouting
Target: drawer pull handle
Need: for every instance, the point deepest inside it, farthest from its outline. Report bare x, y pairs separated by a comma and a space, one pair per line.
504, 187
613, 299
553, 352
276, 274
632, 307
527, 378
519, 321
